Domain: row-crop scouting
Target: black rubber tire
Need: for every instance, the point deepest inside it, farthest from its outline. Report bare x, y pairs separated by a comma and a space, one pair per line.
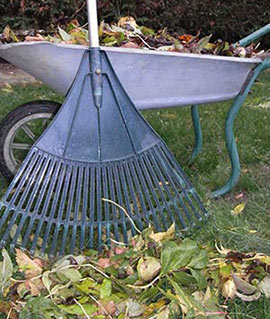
14, 117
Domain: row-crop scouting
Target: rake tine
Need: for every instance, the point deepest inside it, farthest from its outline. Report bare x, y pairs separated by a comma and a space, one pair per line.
59, 221
45, 207
98, 208
32, 175
158, 184
16, 190
114, 217
132, 192
147, 194
92, 208
15, 194
139, 192
191, 189
30, 202
77, 207
150, 184
68, 210
164, 184
106, 206
126, 198
18, 177
84, 207
120, 202
172, 182
53, 208
34, 215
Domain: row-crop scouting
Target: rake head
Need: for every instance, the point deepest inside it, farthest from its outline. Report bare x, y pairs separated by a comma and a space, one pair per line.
94, 151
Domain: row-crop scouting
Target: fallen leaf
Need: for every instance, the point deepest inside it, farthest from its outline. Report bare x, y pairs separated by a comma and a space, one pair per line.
105, 289
108, 308
250, 298
238, 209
130, 45
229, 289
104, 262
148, 268
134, 308
264, 286
72, 274
158, 237
164, 314
243, 286
31, 267
37, 38
46, 280
6, 270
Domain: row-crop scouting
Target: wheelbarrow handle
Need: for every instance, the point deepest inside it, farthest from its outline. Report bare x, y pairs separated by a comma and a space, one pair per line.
92, 23
254, 36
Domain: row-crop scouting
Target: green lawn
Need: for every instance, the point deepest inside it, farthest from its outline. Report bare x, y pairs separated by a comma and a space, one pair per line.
247, 231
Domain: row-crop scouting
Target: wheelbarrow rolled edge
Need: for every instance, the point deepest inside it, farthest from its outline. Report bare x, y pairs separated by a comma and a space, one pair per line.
153, 79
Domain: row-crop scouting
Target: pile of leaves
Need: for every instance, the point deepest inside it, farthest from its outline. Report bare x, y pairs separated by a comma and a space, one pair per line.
158, 276
127, 33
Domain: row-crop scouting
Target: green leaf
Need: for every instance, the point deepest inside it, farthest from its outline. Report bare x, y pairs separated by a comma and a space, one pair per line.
147, 31
64, 35
88, 286
46, 280
41, 308
199, 261
77, 309
183, 278
201, 280
6, 269
166, 256
226, 270
204, 42
188, 300
175, 256
148, 294
105, 289
71, 273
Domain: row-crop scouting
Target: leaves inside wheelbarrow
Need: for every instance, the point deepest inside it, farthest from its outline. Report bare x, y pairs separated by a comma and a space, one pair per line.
157, 276
128, 34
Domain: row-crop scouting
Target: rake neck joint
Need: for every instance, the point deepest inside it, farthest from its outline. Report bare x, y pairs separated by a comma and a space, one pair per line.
96, 75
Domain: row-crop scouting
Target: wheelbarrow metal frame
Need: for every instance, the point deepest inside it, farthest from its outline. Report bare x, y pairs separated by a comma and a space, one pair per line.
231, 116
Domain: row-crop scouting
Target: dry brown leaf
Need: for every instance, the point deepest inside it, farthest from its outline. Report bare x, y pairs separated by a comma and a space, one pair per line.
31, 267
104, 262
107, 308
229, 289
38, 37
5, 308
130, 45
158, 237
124, 21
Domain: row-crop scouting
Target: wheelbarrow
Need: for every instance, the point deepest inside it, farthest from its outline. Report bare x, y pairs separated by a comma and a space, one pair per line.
155, 80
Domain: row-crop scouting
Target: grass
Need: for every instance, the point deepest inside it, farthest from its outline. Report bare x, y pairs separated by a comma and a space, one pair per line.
247, 231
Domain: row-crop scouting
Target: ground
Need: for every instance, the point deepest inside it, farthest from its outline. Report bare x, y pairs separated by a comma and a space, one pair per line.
9, 74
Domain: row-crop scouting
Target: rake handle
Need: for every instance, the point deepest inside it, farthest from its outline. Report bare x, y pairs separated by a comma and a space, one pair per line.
92, 23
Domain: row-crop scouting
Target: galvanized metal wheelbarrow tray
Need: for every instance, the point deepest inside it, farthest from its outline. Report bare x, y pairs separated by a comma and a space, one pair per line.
155, 79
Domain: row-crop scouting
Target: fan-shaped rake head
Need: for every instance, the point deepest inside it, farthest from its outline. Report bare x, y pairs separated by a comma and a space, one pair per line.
94, 155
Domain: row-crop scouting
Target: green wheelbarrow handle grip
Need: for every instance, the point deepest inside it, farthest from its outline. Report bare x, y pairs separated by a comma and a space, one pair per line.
254, 36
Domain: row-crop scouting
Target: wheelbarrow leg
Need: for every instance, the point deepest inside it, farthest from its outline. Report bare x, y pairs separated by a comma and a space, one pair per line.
197, 131
230, 140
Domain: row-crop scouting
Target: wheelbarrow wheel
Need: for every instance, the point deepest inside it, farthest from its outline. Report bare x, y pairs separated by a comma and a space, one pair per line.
20, 129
